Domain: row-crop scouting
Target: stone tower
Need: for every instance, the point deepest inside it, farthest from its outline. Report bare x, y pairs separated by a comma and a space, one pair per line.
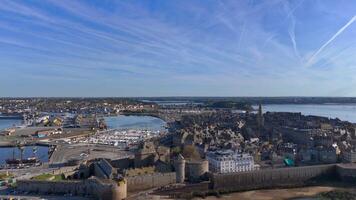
145, 155
180, 169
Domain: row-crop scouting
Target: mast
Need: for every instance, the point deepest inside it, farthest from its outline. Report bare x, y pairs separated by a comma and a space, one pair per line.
34, 151
21, 148
21, 153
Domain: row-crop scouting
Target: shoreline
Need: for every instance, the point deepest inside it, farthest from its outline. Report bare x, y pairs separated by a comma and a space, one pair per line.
10, 145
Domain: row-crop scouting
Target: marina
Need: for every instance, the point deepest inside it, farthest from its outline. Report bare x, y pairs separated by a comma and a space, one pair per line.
125, 122
121, 138
127, 131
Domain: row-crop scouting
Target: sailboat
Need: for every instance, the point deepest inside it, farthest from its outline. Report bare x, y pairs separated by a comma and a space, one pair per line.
22, 161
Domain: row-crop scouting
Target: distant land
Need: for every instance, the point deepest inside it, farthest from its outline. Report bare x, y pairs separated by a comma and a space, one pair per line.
208, 99
259, 100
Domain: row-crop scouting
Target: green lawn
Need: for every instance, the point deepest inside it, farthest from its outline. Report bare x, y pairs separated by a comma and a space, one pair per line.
48, 177
3, 176
58, 178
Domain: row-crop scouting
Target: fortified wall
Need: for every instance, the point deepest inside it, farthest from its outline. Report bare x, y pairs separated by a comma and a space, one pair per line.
195, 170
271, 178
65, 170
346, 172
100, 189
144, 182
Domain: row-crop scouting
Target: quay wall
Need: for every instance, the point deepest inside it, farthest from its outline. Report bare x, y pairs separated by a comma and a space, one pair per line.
102, 190
144, 182
271, 178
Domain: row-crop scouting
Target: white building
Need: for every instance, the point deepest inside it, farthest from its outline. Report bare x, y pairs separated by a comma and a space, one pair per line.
229, 161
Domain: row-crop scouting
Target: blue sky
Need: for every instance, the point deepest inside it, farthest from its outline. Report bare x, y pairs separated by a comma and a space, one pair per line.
178, 48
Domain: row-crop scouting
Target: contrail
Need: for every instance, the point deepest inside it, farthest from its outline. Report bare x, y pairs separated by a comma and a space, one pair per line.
292, 10
291, 29
291, 32
330, 40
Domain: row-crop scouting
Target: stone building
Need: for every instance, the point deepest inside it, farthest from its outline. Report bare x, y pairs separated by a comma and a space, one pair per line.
349, 156
318, 155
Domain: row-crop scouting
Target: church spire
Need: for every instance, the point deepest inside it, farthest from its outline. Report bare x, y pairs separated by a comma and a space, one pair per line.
260, 119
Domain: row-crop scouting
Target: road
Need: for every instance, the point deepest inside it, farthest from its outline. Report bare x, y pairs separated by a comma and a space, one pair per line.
28, 173
65, 152
37, 197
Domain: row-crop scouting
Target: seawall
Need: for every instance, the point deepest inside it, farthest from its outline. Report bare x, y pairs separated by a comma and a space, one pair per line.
272, 178
144, 182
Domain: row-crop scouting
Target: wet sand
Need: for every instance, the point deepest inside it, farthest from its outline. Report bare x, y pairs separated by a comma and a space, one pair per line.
275, 194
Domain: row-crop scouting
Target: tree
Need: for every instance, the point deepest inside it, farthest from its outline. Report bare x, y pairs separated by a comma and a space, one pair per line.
191, 153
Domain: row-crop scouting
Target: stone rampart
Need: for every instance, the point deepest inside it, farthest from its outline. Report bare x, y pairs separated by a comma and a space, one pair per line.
346, 172
270, 178
100, 189
196, 169
63, 170
144, 182
66, 171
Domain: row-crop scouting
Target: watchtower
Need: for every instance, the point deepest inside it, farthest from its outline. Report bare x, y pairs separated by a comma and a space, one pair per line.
180, 168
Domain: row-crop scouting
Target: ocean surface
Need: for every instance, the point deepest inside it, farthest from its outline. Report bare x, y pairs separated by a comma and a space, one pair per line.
135, 122
7, 123
7, 153
346, 112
